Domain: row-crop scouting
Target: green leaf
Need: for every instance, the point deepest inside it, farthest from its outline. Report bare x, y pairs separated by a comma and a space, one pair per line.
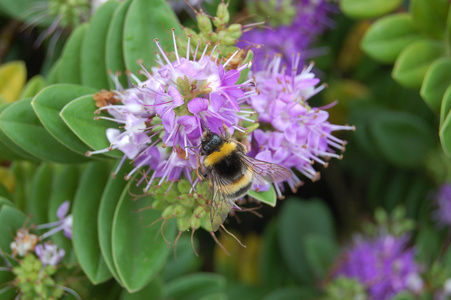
47, 106
365, 9
38, 201
93, 68
321, 252
429, 16
23, 172
4, 192
185, 261
11, 219
195, 286
445, 135
387, 37
53, 76
71, 57
114, 54
9, 150
139, 250
33, 86
413, 62
79, 117
108, 203
18, 9
446, 105
22, 126
84, 232
304, 293
5, 201
402, 138
142, 26
435, 83
66, 178
298, 220
153, 291
269, 197
274, 272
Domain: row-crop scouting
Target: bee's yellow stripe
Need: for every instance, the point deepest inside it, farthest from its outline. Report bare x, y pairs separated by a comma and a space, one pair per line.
239, 184
217, 156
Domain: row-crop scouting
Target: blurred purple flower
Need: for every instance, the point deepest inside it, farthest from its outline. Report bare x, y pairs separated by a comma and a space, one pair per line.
64, 223
297, 135
48, 254
385, 266
310, 21
443, 201
164, 116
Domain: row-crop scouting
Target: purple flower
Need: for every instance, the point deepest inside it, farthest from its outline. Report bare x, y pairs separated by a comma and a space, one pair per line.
296, 134
385, 266
64, 223
443, 201
165, 115
310, 21
48, 254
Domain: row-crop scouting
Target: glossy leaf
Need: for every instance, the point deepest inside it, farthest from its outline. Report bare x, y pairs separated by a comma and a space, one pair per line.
71, 56
268, 197
79, 117
153, 291
186, 260
48, 104
368, 8
114, 54
4, 192
435, 83
299, 220
321, 252
108, 203
22, 126
38, 200
12, 79
33, 86
402, 138
139, 250
64, 187
142, 26
93, 68
387, 37
85, 235
9, 149
445, 135
23, 172
53, 75
429, 16
195, 286
5, 201
413, 62
446, 105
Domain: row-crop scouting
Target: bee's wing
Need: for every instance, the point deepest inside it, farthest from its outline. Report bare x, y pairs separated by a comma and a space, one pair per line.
220, 206
265, 172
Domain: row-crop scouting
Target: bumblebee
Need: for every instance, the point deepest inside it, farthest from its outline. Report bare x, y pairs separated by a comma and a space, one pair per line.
232, 173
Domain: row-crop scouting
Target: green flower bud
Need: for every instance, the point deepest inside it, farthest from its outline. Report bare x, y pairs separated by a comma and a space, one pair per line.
159, 204
223, 13
195, 223
183, 224
179, 211
204, 23
168, 212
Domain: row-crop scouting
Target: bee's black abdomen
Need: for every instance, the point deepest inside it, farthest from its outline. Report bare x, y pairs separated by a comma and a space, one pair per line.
230, 167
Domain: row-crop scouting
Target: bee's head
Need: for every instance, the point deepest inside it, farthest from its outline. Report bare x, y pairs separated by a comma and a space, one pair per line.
210, 142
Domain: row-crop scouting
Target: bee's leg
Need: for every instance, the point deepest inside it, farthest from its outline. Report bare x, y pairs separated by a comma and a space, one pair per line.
200, 172
226, 131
